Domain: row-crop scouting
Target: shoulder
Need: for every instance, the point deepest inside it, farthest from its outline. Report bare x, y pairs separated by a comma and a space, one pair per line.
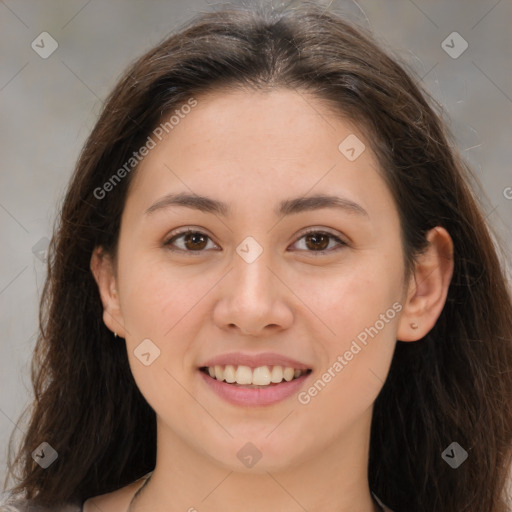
115, 500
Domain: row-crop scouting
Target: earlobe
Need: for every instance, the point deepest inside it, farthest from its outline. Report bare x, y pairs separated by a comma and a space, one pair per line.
428, 287
102, 268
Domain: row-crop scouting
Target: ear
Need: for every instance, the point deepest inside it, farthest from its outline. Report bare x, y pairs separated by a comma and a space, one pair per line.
428, 287
102, 268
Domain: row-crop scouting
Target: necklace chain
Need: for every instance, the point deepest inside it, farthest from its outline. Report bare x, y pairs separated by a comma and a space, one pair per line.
148, 478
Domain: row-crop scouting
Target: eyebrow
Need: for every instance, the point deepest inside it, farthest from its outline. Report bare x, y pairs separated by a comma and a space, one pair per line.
286, 207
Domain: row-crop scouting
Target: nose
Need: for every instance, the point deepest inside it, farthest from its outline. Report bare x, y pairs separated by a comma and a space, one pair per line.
253, 299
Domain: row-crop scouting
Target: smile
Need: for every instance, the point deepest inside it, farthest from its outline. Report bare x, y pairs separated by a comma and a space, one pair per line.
242, 385
260, 377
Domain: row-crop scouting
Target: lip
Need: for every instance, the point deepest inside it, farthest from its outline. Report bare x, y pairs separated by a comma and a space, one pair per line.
255, 360
238, 395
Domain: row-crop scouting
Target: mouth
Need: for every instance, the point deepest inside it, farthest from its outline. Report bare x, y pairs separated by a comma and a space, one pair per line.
257, 379
261, 377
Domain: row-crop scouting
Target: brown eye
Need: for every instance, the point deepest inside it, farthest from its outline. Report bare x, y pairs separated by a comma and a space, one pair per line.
317, 241
189, 241
194, 241
320, 242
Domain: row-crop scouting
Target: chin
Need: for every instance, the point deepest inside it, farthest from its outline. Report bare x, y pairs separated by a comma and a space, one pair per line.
258, 454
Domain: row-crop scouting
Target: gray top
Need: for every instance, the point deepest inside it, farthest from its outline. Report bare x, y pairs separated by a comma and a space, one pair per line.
22, 505
10, 503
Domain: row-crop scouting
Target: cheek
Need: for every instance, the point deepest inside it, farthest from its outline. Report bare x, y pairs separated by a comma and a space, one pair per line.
161, 304
352, 299
158, 305
157, 296
361, 309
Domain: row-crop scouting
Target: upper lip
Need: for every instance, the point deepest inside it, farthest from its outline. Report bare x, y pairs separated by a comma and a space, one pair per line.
255, 360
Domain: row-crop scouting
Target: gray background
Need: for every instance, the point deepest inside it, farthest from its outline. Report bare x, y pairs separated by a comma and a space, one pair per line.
48, 106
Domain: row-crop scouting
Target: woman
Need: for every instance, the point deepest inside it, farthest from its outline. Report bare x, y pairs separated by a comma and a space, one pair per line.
271, 288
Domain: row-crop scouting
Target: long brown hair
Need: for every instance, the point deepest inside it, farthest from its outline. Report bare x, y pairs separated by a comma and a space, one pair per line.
454, 385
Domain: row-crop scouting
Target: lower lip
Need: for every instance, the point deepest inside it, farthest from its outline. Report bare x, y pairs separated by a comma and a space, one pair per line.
238, 395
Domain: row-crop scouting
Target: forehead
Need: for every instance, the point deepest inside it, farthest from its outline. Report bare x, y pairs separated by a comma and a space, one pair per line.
240, 144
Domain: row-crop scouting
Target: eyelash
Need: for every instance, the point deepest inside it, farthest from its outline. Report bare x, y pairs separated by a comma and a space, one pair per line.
175, 236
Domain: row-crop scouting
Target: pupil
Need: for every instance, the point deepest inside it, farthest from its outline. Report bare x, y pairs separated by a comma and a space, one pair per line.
315, 237
193, 237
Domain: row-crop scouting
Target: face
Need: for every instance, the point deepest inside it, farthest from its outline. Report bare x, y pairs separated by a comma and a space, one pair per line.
276, 277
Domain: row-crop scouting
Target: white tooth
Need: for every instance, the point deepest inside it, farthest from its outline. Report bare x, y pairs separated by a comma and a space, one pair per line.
243, 375
211, 371
229, 373
219, 372
288, 374
261, 376
297, 373
277, 374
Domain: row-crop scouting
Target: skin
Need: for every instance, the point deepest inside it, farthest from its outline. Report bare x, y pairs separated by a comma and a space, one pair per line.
252, 150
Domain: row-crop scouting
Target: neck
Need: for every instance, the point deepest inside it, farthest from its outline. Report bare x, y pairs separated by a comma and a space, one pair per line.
186, 480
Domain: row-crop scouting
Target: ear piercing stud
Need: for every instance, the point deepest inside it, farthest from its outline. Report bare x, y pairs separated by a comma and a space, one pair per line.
115, 335
414, 325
